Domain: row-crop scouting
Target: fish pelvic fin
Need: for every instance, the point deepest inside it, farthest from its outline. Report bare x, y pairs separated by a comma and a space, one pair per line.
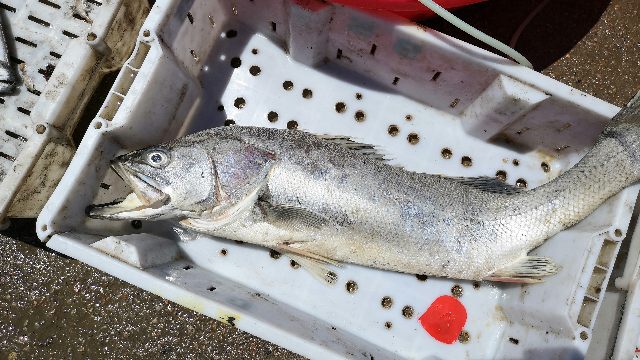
313, 263
525, 270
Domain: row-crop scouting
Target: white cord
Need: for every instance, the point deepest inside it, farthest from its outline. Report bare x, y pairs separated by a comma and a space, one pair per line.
476, 33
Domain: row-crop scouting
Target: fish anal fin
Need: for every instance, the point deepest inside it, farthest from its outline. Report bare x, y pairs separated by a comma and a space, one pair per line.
312, 263
527, 268
513, 280
292, 218
487, 183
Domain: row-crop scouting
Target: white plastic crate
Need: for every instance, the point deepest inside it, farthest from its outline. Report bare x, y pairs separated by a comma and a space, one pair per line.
435, 104
60, 50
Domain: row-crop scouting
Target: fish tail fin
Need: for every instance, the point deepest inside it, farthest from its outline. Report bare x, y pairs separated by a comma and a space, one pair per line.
525, 270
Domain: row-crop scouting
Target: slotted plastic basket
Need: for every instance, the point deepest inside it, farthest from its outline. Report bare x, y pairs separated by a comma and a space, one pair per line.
60, 50
435, 104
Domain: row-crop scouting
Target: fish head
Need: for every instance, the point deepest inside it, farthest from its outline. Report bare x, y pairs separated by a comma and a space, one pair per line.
167, 181
184, 179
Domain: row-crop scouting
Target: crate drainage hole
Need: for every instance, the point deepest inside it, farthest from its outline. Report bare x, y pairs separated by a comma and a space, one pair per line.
44, 227
49, 3
229, 122
514, 341
422, 278
341, 107
231, 34
307, 93
360, 116
545, 167
476, 285
584, 335
224, 252
521, 183
358, 96
287, 85
40, 129
464, 337
393, 130
351, 286
146, 33
446, 153
97, 125
456, 291
15, 136
272, 116
388, 325
515, 162
292, 125
386, 302
407, 312
413, 138
188, 267
274, 254
211, 288
136, 224
408, 117
239, 103
236, 62
106, 187
220, 107
254, 51
466, 161
502, 175
294, 264
254, 70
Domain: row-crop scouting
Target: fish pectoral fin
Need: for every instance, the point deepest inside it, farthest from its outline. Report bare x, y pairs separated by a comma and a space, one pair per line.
313, 263
525, 270
292, 218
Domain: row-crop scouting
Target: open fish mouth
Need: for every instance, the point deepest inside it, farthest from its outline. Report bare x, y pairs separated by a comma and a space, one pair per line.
147, 201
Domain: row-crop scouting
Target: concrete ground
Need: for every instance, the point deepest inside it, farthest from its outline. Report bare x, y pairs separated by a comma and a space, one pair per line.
55, 307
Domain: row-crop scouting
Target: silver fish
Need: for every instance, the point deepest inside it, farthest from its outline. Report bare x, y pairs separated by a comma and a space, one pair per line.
326, 199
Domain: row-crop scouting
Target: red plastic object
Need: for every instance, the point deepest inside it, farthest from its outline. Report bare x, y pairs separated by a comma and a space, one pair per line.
444, 319
410, 9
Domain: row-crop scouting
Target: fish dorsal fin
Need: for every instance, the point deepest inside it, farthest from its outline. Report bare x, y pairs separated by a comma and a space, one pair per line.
488, 184
369, 150
292, 218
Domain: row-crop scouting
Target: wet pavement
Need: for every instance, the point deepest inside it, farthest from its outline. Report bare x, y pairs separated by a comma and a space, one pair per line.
55, 307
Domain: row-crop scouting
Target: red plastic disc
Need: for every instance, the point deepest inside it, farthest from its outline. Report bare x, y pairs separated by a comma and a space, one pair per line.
444, 319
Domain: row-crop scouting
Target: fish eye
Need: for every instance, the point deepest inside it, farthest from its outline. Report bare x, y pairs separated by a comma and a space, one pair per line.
157, 157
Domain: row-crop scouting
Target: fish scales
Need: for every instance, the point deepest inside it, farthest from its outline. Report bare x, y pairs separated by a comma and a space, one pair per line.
274, 186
